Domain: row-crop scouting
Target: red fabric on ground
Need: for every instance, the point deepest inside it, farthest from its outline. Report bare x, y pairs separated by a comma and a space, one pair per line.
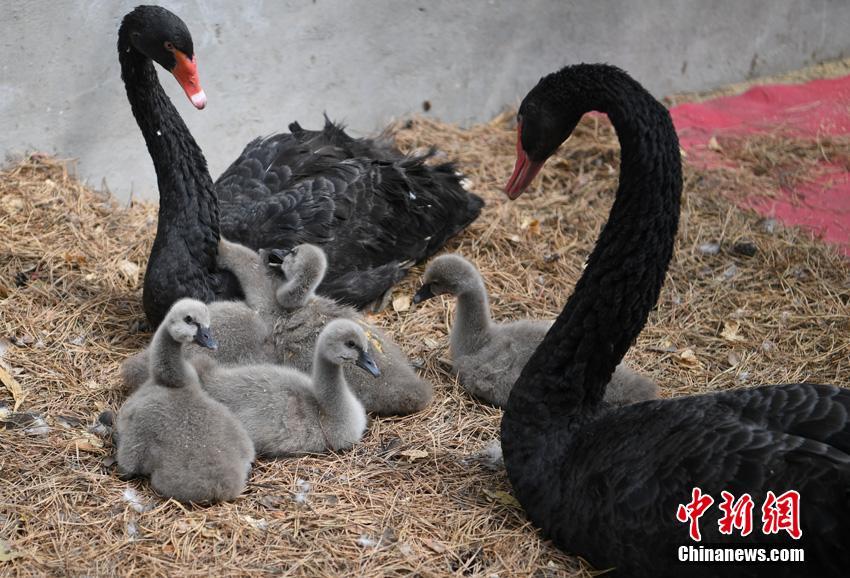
809, 110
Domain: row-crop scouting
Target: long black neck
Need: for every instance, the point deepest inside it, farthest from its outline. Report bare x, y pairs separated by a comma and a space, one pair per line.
185, 186
564, 381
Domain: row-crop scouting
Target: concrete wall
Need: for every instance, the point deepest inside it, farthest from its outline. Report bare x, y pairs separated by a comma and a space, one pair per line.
266, 63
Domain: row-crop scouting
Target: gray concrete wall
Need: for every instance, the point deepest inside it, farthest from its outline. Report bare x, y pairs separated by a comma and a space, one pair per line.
266, 63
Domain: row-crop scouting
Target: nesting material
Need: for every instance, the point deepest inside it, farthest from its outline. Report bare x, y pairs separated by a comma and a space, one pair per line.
776, 162
415, 495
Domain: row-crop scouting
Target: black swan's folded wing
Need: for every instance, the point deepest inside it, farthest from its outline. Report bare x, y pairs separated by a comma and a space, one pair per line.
778, 438
372, 209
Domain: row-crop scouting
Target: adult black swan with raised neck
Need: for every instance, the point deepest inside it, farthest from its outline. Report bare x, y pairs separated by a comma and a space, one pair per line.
373, 210
614, 485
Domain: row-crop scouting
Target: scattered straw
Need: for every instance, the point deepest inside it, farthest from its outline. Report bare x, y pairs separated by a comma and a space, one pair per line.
765, 165
420, 494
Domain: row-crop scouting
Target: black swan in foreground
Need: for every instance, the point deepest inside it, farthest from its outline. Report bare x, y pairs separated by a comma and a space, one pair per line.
607, 483
374, 211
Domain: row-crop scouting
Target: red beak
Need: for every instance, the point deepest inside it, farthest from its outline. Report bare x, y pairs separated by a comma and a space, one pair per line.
524, 171
186, 73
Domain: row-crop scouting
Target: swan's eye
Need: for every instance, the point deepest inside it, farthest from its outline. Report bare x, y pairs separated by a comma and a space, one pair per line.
293, 252
169, 46
351, 344
188, 319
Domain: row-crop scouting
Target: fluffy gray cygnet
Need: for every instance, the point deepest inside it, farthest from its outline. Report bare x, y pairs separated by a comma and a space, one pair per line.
488, 357
242, 333
191, 446
300, 315
288, 412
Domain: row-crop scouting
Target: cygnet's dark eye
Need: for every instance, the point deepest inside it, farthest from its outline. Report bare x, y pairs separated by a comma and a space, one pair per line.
293, 252
188, 319
169, 46
351, 344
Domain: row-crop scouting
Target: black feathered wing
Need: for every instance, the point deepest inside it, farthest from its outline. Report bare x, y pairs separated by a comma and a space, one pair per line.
374, 211
788, 437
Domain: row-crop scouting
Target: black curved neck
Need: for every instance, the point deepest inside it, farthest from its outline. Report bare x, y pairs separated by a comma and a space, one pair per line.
185, 185
565, 378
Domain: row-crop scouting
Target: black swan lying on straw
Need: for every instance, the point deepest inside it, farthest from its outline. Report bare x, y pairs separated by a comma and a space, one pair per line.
614, 485
374, 211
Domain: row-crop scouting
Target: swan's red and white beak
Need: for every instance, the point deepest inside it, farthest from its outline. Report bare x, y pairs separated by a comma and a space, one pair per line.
524, 171
186, 73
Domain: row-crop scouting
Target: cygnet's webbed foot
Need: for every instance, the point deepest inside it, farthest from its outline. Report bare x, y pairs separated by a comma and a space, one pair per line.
128, 476
107, 418
103, 426
140, 326
382, 303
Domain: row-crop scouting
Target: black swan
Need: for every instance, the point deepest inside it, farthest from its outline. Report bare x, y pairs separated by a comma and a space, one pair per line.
607, 483
374, 211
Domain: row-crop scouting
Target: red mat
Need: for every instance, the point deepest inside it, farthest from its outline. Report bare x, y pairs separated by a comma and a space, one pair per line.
817, 108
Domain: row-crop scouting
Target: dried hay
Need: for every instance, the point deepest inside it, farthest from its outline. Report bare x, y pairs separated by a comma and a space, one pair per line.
776, 161
420, 494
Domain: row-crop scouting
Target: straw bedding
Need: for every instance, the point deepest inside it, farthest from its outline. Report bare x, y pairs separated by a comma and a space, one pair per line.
745, 302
